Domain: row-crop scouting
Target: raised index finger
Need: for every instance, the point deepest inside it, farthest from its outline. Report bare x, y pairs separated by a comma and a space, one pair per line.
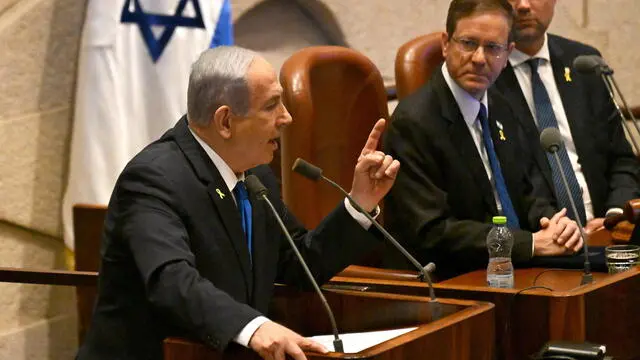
374, 137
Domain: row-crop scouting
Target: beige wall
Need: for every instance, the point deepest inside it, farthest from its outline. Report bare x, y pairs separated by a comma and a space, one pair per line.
38, 48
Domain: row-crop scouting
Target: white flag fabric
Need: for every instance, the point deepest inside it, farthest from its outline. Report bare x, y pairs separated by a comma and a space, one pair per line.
133, 73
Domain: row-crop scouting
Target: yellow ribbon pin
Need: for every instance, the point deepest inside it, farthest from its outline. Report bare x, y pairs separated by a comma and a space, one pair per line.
220, 193
502, 135
567, 74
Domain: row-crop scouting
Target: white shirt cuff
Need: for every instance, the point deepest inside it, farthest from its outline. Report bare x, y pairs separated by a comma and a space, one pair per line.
244, 336
358, 216
533, 244
614, 211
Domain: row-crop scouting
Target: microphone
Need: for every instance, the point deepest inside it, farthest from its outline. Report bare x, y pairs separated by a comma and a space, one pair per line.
314, 173
255, 187
551, 140
588, 64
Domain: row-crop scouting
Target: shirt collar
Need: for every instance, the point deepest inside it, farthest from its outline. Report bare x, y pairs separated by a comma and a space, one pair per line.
517, 57
469, 106
229, 177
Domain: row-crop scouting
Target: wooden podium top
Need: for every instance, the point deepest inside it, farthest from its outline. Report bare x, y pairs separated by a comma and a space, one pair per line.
464, 330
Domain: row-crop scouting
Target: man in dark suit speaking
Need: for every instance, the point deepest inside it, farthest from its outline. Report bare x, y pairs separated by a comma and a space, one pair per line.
461, 160
186, 251
541, 85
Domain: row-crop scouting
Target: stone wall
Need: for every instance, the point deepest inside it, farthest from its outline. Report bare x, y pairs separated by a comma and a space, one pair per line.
38, 50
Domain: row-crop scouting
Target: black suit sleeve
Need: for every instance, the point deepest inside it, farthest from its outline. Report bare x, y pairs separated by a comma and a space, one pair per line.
623, 170
338, 241
159, 243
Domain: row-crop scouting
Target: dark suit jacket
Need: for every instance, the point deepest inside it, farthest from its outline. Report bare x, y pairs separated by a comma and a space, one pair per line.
442, 202
175, 261
610, 168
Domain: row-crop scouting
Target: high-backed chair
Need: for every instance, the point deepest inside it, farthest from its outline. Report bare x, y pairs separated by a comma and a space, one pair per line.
335, 96
415, 61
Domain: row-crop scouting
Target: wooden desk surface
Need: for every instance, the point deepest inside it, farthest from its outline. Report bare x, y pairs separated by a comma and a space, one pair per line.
559, 280
605, 311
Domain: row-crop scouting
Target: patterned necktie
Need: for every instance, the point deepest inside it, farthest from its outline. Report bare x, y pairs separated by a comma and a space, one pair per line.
244, 207
547, 118
501, 186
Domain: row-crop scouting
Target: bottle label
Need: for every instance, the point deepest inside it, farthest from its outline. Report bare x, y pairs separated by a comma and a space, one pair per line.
500, 281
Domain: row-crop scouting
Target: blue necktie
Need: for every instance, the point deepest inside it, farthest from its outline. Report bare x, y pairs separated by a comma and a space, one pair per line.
501, 186
547, 118
244, 207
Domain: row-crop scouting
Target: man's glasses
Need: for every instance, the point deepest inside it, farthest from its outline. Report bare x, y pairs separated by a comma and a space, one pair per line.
491, 49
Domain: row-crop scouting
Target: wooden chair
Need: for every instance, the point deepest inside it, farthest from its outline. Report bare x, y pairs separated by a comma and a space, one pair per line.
335, 96
88, 223
415, 62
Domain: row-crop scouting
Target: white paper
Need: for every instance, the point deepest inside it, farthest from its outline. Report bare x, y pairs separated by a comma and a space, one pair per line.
356, 342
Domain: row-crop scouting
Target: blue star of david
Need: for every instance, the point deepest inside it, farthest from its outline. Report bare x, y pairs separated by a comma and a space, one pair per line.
170, 22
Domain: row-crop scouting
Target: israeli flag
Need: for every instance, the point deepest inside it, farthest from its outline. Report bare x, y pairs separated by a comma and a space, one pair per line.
133, 72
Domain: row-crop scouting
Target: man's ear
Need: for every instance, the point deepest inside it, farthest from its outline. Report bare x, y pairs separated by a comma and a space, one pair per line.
444, 43
221, 121
510, 48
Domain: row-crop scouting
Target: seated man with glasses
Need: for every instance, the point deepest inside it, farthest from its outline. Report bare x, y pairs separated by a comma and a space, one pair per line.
459, 144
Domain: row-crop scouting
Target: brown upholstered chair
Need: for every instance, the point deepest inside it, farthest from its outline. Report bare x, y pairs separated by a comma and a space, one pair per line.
335, 96
415, 61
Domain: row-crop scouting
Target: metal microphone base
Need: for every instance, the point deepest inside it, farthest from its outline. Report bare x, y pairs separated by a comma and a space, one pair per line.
587, 278
337, 345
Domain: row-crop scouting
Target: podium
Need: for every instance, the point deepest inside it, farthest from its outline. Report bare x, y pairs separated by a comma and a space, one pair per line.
604, 312
465, 330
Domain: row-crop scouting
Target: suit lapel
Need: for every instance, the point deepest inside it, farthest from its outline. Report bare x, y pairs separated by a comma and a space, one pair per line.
509, 86
569, 96
219, 195
464, 144
502, 137
230, 216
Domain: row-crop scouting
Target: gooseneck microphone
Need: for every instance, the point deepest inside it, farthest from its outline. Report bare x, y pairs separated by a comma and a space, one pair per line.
588, 64
255, 187
551, 140
314, 173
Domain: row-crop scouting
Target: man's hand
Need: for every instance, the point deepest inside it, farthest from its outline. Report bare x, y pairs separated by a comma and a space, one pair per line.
559, 235
375, 172
593, 225
273, 341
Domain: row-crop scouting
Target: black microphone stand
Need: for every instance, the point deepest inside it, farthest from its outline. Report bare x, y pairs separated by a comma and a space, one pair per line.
424, 271
606, 73
587, 276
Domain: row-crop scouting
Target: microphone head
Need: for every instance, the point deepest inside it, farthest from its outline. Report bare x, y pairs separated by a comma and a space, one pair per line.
307, 170
550, 139
255, 187
431, 267
588, 64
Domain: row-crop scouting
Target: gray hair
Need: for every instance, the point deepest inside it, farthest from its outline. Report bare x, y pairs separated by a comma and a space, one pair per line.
218, 78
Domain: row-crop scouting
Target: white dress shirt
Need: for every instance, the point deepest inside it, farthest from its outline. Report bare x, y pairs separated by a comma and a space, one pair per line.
230, 179
522, 70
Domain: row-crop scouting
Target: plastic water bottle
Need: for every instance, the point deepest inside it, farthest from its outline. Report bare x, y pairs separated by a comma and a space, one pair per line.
499, 244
